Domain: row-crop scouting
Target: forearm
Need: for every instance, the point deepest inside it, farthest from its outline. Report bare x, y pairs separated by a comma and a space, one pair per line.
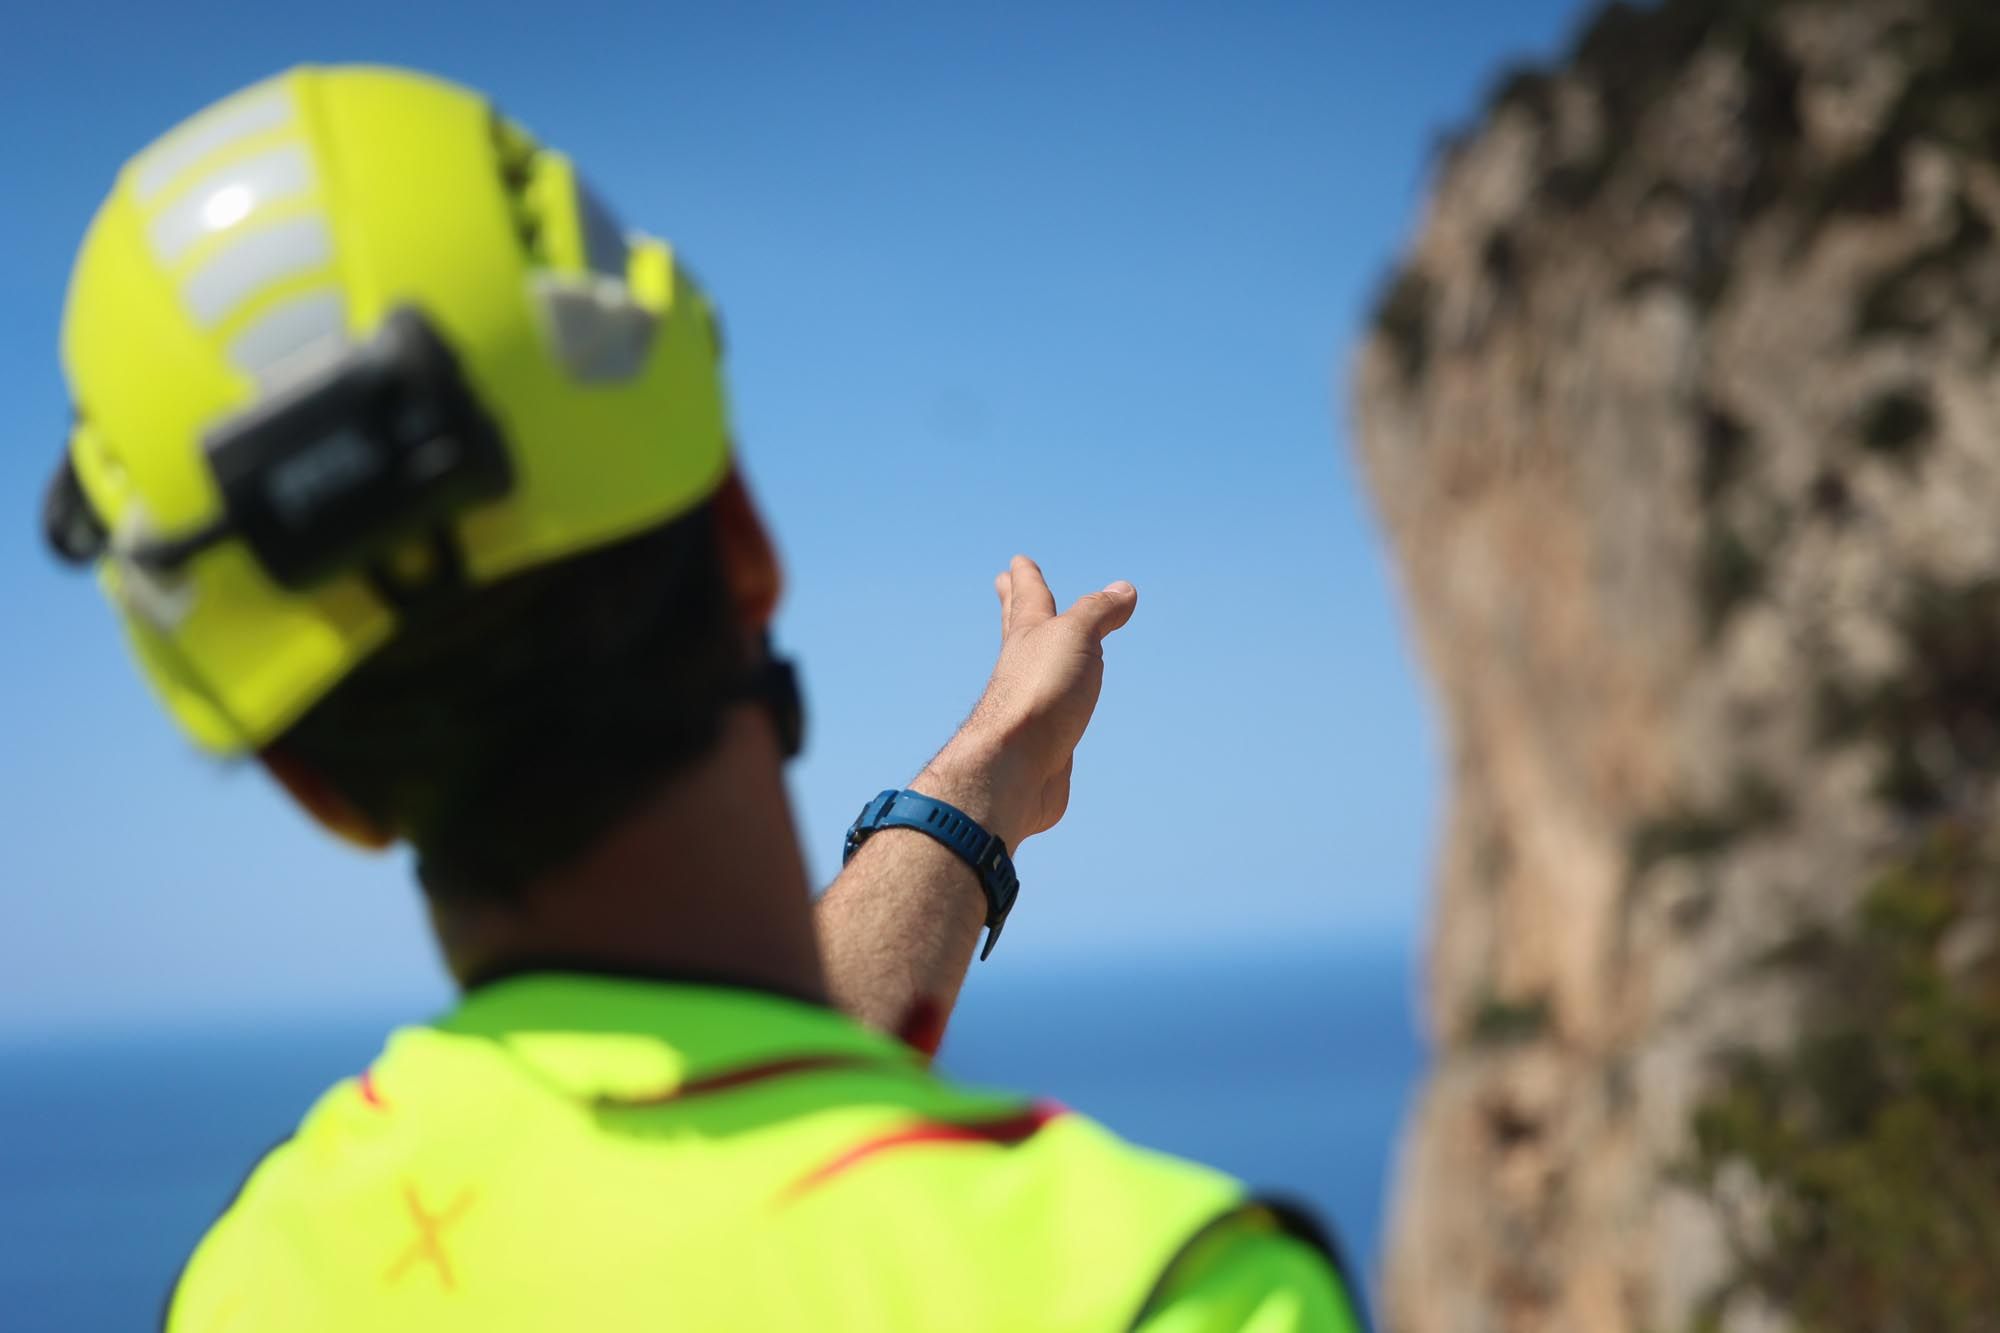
898, 927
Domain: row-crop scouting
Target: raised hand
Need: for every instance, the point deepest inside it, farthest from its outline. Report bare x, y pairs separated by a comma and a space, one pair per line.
1009, 765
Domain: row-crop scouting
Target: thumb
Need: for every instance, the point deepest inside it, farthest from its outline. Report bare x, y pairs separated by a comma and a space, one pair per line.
1100, 613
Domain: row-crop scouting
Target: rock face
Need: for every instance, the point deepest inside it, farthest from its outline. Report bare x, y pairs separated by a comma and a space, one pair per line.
1683, 417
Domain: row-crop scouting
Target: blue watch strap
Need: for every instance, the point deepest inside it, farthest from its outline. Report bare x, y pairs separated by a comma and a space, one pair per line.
983, 851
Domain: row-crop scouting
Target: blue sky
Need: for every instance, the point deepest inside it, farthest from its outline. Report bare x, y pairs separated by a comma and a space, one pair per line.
1075, 279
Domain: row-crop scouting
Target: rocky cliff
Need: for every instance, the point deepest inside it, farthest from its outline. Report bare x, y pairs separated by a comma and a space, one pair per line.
1682, 414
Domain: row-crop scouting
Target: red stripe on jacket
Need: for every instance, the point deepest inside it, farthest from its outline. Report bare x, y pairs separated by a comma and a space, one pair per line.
1005, 1132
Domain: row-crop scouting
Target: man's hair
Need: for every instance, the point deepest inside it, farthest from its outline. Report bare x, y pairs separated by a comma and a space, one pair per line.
504, 734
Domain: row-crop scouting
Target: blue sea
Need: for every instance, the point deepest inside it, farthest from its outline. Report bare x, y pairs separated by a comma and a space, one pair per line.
1291, 1071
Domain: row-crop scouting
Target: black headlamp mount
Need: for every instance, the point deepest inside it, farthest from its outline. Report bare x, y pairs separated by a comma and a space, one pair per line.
329, 475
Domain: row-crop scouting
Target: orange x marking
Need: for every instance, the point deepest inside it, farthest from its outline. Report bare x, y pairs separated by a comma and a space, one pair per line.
428, 1245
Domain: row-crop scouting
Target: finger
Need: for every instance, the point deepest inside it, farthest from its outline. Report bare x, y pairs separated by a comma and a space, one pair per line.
1100, 613
1033, 602
1003, 583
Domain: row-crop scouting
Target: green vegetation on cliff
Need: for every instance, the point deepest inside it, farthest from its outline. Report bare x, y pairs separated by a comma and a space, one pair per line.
1860, 1169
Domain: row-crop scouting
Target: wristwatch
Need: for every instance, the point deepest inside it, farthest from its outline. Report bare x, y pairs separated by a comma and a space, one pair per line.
985, 852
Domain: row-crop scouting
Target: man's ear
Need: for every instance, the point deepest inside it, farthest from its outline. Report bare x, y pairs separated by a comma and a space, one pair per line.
749, 560
334, 812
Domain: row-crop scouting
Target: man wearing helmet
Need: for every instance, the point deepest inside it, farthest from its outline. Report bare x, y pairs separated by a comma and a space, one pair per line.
433, 511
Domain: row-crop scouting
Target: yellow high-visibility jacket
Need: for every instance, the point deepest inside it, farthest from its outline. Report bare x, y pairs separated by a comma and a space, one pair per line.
584, 1151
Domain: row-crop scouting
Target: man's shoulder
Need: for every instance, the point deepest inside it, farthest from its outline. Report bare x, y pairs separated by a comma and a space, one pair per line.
1259, 1266
445, 1095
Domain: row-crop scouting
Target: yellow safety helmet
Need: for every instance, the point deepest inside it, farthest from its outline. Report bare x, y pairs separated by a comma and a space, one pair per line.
344, 343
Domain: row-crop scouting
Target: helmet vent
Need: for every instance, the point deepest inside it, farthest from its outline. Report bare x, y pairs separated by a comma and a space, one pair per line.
515, 151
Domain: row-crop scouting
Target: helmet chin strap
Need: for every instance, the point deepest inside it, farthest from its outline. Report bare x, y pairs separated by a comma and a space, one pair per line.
774, 682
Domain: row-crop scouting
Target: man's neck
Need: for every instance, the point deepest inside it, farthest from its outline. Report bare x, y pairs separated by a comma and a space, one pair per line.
705, 878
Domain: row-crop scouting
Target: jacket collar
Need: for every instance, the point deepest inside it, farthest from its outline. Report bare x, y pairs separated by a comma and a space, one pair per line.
615, 1034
